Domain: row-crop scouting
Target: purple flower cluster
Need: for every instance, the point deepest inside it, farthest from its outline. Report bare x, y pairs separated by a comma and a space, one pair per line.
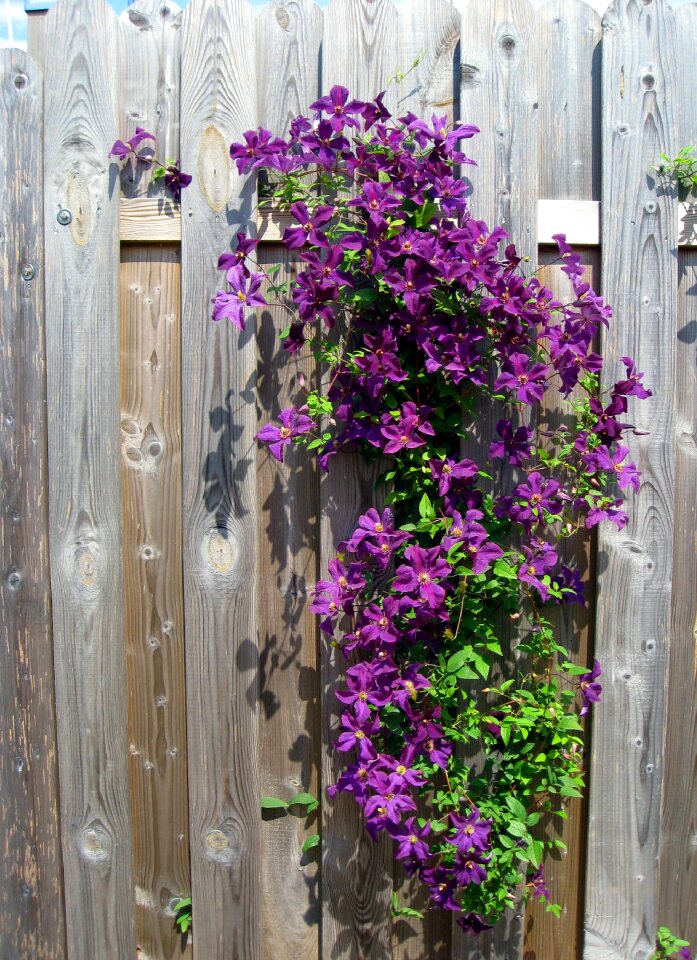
174, 178
433, 319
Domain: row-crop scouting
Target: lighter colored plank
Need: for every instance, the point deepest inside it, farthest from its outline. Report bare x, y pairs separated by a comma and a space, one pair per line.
82, 343
150, 39
360, 48
430, 31
288, 38
153, 597
149, 220
498, 93
634, 600
288, 34
360, 52
578, 219
31, 895
219, 489
677, 894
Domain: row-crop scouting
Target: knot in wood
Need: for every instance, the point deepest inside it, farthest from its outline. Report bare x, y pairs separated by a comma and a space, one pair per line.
220, 552
94, 843
282, 18
214, 169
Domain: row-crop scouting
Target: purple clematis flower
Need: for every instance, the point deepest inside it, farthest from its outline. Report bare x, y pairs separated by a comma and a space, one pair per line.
420, 578
627, 473
538, 561
341, 110
526, 381
410, 840
309, 230
471, 868
590, 688
513, 443
472, 923
446, 471
244, 294
471, 832
121, 149
293, 424
357, 734
176, 181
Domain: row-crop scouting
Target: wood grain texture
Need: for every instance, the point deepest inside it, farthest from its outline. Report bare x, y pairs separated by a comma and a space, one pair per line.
566, 49
288, 39
82, 345
360, 50
288, 668
677, 891
639, 240
219, 489
154, 603
545, 935
356, 872
36, 35
149, 220
498, 93
31, 895
150, 48
430, 31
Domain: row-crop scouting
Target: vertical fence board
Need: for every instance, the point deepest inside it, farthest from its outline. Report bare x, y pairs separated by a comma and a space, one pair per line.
567, 54
360, 48
288, 40
288, 36
219, 459
31, 896
288, 498
566, 50
678, 853
360, 52
82, 343
633, 611
150, 64
498, 93
150, 60
152, 523
430, 31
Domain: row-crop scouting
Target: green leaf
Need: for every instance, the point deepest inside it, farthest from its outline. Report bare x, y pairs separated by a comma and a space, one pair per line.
516, 808
304, 800
310, 842
273, 803
503, 569
426, 511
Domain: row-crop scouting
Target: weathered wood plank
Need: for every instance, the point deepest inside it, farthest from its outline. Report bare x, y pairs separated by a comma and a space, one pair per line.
288, 669
82, 344
288, 36
219, 488
498, 93
31, 895
153, 597
634, 599
150, 59
360, 52
677, 892
360, 48
288, 39
430, 31
149, 220
578, 219
150, 39
356, 872
567, 35
567, 54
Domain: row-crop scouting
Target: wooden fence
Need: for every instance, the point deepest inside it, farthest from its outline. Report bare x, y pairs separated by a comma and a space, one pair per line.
160, 671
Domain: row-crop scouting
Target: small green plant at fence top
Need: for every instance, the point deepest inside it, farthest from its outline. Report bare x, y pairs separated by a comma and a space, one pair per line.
464, 755
682, 169
668, 946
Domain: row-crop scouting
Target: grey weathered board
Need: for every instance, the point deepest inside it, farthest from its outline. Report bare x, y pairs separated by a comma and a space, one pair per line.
677, 893
82, 345
639, 231
31, 894
359, 52
219, 488
289, 35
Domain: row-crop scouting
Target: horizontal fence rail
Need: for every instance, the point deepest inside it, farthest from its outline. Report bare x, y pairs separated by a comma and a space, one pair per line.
160, 668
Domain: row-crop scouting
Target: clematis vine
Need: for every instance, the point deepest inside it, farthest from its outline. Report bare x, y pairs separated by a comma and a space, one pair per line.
425, 322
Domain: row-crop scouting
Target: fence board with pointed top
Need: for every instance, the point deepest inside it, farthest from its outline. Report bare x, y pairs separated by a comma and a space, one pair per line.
198, 665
